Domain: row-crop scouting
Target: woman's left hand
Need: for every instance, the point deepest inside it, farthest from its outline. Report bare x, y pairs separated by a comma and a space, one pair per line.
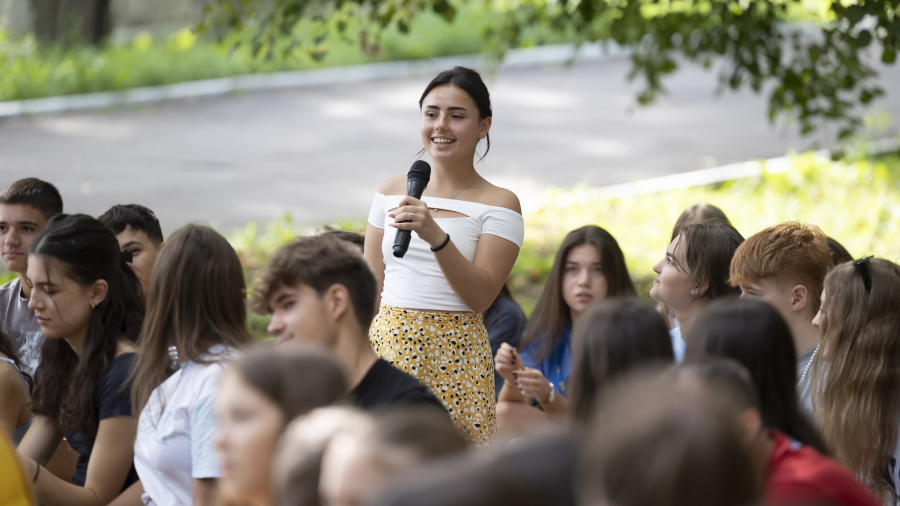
412, 214
532, 383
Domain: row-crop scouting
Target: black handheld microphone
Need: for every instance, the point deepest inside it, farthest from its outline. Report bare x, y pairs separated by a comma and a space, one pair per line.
416, 181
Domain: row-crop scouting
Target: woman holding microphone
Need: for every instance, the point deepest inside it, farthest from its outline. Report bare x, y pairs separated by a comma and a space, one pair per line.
467, 235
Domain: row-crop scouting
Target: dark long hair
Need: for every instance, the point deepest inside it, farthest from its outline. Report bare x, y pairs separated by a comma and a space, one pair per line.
754, 334
7, 348
613, 337
469, 81
551, 314
197, 299
708, 250
85, 251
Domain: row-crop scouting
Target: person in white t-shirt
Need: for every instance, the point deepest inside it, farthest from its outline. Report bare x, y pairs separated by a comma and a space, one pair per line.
196, 300
855, 378
693, 273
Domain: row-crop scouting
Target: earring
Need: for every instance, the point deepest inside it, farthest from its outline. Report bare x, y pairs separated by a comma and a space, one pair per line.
93, 306
693, 292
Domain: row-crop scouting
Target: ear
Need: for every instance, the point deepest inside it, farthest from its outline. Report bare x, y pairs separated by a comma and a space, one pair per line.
485, 127
337, 301
98, 292
701, 287
799, 298
750, 425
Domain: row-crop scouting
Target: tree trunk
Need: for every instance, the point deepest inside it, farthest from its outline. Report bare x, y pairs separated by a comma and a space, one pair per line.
71, 21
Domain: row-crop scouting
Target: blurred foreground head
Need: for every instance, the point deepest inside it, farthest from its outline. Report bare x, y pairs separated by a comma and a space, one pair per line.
665, 443
365, 459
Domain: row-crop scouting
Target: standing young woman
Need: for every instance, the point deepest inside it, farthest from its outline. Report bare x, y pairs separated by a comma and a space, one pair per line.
856, 377
589, 267
15, 392
694, 272
467, 237
196, 301
90, 307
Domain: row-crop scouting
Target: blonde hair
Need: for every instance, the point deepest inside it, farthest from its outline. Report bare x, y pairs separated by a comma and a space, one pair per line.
856, 374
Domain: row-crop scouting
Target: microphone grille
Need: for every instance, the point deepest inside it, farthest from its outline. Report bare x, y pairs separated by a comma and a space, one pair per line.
420, 170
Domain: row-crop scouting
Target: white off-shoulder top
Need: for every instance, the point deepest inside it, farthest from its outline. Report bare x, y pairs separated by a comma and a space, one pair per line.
416, 281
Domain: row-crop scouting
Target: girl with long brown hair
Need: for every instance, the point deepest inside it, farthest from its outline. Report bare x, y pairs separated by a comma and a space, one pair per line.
589, 267
88, 303
856, 374
196, 302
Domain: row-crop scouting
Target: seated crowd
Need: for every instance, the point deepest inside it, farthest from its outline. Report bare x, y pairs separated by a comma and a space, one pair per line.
767, 373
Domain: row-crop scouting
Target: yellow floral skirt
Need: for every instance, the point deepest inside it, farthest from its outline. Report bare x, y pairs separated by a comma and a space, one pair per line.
451, 354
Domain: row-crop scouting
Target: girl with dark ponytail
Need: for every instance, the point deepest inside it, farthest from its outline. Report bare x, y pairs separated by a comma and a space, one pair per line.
89, 305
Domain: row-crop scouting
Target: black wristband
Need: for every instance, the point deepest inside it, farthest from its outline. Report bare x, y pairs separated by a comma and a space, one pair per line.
446, 242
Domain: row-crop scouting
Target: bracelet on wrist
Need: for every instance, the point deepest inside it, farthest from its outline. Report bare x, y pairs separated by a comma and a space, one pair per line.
446, 241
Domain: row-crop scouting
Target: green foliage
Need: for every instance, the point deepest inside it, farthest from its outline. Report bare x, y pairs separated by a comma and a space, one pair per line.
31, 70
6, 276
811, 56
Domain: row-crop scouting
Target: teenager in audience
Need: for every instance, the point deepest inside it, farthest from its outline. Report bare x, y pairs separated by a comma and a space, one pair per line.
298, 463
839, 253
196, 301
321, 290
89, 305
467, 237
785, 266
589, 267
504, 322
753, 333
265, 390
353, 238
360, 463
662, 443
856, 376
791, 473
25, 208
15, 393
610, 339
693, 273
697, 213
139, 234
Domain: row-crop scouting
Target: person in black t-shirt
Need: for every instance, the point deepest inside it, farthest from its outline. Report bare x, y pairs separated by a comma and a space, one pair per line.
321, 290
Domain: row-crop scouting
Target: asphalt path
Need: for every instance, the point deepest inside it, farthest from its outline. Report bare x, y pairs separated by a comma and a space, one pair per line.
320, 153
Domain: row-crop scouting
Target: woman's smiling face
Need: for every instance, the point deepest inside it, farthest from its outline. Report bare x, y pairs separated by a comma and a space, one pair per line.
451, 124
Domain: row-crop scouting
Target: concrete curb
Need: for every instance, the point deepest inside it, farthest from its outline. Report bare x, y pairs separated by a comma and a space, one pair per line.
542, 55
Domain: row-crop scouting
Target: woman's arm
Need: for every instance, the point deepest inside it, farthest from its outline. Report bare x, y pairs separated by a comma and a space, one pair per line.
534, 385
375, 257
477, 283
108, 467
204, 492
41, 440
13, 397
131, 496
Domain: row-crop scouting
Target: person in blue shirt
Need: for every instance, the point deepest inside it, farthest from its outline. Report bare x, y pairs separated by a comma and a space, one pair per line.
589, 267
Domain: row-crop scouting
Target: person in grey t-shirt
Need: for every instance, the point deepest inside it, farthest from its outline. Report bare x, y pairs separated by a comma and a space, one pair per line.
25, 208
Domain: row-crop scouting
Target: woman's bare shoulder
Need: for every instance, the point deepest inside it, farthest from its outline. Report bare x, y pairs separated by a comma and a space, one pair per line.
500, 197
393, 186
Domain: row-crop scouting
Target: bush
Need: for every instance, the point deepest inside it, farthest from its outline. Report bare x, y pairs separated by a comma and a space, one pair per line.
856, 201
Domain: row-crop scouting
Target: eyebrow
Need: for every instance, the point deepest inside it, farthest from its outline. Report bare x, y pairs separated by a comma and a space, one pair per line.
671, 257
32, 223
132, 243
283, 296
576, 263
454, 108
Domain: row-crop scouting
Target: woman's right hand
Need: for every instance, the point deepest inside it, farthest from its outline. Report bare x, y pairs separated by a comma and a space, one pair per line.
507, 361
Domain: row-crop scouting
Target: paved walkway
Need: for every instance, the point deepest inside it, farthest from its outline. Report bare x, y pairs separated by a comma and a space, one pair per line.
319, 153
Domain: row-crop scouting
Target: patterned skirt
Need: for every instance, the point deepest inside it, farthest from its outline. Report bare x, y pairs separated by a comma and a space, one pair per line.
450, 353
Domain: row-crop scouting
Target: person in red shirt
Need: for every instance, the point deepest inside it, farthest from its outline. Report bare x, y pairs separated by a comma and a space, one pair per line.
790, 473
